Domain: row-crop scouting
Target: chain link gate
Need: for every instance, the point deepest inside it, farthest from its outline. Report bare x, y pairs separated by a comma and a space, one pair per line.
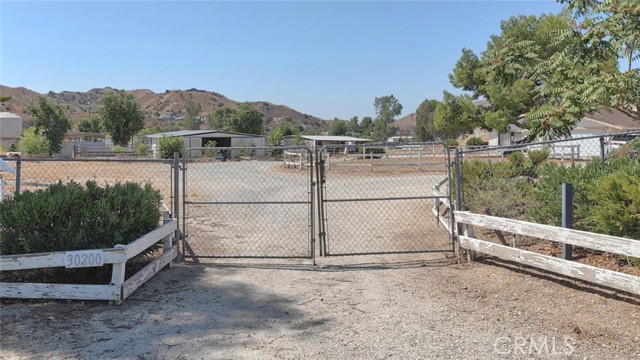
248, 202
381, 198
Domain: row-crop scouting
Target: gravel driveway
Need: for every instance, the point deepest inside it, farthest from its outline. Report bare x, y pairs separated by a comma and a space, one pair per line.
406, 307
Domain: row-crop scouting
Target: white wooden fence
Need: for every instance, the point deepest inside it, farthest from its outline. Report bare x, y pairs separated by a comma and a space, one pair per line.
612, 244
441, 216
119, 288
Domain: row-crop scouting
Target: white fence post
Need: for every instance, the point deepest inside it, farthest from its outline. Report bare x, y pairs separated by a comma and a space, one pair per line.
117, 275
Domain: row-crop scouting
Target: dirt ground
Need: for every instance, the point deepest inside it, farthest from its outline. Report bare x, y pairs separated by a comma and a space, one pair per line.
409, 307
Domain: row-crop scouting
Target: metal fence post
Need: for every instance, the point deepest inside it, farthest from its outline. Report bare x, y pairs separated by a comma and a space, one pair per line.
176, 193
18, 175
567, 217
602, 155
458, 184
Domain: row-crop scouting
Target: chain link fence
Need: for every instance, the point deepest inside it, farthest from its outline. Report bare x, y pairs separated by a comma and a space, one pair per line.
524, 181
379, 198
248, 202
32, 174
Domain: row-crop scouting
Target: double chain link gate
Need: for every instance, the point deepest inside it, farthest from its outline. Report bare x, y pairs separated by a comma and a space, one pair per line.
262, 202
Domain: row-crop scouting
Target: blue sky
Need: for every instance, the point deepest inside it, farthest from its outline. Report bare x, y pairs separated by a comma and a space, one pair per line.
327, 59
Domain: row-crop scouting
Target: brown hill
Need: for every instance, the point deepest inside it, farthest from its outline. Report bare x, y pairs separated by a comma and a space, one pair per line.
405, 125
159, 108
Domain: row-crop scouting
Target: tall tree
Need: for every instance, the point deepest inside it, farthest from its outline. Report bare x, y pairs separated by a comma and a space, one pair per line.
279, 132
121, 116
366, 125
353, 125
90, 124
221, 118
51, 121
192, 110
247, 119
507, 73
338, 127
387, 108
425, 129
456, 115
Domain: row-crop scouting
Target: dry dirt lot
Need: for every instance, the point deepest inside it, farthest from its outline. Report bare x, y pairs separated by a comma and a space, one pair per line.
406, 307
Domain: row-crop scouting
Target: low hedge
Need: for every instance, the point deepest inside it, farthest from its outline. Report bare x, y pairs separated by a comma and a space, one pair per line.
75, 217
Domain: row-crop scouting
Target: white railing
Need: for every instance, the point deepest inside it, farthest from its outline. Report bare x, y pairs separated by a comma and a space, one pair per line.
612, 244
119, 288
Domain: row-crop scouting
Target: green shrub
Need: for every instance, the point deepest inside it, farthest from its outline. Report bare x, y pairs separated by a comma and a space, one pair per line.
476, 141
247, 149
537, 157
75, 217
211, 151
117, 149
32, 143
141, 148
615, 209
168, 145
451, 143
371, 150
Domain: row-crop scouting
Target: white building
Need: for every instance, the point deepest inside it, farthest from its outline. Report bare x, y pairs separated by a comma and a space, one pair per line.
10, 129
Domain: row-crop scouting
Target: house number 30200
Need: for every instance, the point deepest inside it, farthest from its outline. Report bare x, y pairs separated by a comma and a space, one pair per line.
88, 258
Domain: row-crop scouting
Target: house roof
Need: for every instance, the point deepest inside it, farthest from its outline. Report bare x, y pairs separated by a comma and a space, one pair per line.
202, 133
333, 138
614, 118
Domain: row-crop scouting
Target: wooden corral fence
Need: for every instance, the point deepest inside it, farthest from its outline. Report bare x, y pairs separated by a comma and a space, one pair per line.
441, 214
612, 244
119, 288
297, 159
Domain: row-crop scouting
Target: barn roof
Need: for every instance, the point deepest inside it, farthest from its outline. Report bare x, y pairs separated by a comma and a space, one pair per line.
202, 133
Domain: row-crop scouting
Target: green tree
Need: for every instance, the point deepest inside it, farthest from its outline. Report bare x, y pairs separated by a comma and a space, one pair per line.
192, 110
90, 124
51, 121
248, 120
32, 143
509, 76
387, 108
425, 129
366, 125
279, 132
168, 145
353, 125
221, 118
338, 127
455, 115
121, 116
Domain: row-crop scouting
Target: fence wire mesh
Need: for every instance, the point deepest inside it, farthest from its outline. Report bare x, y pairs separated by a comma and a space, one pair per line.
248, 202
33, 174
379, 198
523, 181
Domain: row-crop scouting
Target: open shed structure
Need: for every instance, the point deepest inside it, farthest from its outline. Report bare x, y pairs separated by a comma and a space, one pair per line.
200, 138
318, 141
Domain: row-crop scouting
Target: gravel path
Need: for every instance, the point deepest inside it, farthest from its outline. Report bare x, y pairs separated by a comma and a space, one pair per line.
407, 307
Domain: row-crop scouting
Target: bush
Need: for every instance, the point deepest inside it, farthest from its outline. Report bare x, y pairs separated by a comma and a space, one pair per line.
476, 141
616, 205
117, 149
537, 157
168, 145
247, 149
32, 143
75, 217
141, 148
211, 151
451, 143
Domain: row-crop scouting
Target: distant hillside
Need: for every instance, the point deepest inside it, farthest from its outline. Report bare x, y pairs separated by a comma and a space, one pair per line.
158, 107
405, 125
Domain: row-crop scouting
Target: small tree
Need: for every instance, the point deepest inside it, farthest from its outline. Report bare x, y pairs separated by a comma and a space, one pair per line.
51, 121
32, 143
168, 145
211, 150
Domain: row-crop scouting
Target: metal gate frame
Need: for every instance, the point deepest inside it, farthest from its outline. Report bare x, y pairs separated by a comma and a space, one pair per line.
323, 200
187, 252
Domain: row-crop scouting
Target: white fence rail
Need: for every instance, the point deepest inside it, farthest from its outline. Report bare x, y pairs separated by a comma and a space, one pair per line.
441, 216
609, 278
116, 291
